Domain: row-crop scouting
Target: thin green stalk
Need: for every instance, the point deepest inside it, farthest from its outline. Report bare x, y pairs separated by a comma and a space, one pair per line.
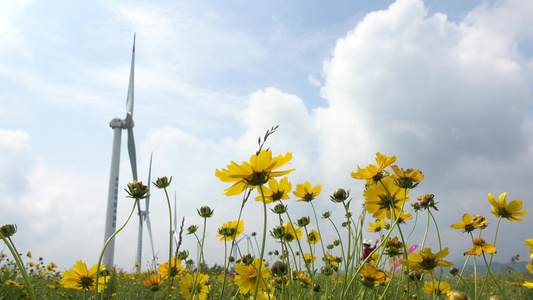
20, 264
259, 277
170, 241
200, 259
318, 229
105, 246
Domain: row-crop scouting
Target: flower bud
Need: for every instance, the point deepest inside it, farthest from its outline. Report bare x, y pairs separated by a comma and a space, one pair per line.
8, 230
247, 259
303, 221
279, 208
205, 212
278, 232
137, 190
105, 272
326, 215
326, 270
279, 268
339, 195
162, 182
183, 255
495, 297
316, 288
456, 295
454, 271
415, 275
192, 229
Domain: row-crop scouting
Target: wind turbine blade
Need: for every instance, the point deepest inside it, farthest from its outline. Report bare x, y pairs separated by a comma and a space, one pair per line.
131, 151
129, 101
149, 228
149, 184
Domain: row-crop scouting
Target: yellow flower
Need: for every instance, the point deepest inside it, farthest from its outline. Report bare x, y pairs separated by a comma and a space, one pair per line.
468, 224
313, 237
407, 179
373, 172
426, 261
479, 247
292, 233
11, 282
275, 191
529, 243
247, 276
28, 254
201, 289
82, 279
153, 282
175, 268
306, 192
405, 216
440, 288
304, 279
372, 276
257, 172
509, 211
308, 258
231, 230
382, 196
377, 227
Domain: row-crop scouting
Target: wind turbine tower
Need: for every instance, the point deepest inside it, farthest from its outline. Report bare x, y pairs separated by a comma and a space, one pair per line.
118, 125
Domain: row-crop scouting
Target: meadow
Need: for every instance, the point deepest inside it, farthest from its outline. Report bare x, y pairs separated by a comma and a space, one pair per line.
305, 266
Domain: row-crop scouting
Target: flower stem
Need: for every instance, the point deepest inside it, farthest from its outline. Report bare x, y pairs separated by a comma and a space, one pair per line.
20, 265
170, 242
259, 277
107, 243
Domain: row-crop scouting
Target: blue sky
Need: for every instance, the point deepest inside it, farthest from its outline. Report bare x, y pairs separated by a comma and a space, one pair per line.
446, 86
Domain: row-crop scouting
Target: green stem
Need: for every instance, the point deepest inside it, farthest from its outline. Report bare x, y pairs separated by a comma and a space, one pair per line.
107, 243
200, 260
259, 277
20, 264
170, 243
318, 229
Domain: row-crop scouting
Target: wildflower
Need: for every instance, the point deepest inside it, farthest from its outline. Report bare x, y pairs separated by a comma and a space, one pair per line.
377, 227
183, 255
313, 237
406, 179
339, 195
405, 216
82, 279
479, 247
373, 172
257, 172
427, 201
308, 258
201, 289
275, 191
426, 261
28, 254
326, 215
174, 270
231, 230
381, 198
332, 260
153, 281
509, 211
247, 275
456, 295
137, 190
437, 287
306, 192
529, 243
162, 182
468, 224
305, 280
372, 276
278, 232
393, 247
11, 282
292, 233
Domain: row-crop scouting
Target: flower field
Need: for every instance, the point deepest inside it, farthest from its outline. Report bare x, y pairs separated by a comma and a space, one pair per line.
305, 265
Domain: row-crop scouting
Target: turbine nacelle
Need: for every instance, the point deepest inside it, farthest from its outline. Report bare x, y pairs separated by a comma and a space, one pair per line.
121, 123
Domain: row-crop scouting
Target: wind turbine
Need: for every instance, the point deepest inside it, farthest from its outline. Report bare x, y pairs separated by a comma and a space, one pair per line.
118, 125
144, 215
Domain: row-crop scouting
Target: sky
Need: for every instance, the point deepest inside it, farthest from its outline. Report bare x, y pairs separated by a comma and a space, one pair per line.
446, 86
